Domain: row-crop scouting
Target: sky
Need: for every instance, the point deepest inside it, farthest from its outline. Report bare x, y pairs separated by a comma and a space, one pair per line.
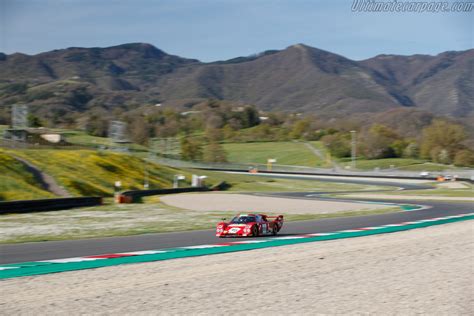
211, 30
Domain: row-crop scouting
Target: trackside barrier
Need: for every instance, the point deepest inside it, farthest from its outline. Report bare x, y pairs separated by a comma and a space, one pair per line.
135, 195
461, 175
329, 174
44, 205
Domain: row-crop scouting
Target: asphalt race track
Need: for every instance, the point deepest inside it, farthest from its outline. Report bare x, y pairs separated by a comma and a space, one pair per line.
26, 252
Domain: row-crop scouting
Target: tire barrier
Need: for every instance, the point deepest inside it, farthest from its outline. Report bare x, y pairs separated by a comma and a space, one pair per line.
45, 205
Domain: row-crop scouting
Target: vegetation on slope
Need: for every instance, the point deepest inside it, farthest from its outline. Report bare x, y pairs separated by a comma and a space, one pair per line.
86, 172
16, 182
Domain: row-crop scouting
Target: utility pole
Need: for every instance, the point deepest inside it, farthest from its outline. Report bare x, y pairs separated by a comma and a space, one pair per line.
353, 149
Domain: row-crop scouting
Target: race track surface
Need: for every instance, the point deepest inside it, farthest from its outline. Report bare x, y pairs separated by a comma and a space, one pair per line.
13, 253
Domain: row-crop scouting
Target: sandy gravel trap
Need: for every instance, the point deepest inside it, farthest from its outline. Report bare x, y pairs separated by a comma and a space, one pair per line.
252, 203
422, 271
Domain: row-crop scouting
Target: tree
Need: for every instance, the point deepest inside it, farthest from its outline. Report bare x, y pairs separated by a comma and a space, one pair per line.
227, 132
464, 158
214, 134
34, 121
214, 121
381, 142
338, 144
250, 116
215, 153
139, 131
441, 140
263, 132
191, 149
97, 125
411, 151
300, 128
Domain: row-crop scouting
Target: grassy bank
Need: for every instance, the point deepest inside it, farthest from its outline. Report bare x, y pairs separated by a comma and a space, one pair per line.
87, 172
16, 182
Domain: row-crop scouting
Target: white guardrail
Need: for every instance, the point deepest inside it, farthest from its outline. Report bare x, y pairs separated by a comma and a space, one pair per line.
465, 174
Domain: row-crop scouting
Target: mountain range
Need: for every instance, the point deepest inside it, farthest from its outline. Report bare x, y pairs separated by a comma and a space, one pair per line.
299, 78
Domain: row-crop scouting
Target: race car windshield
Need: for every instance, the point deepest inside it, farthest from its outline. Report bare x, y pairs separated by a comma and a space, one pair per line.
243, 219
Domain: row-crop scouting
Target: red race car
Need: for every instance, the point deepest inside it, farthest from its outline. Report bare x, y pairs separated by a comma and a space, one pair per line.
254, 225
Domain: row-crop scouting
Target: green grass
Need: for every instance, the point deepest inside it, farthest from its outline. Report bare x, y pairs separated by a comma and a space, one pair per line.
123, 220
387, 163
16, 182
286, 153
431, 167
406, 164
87, 172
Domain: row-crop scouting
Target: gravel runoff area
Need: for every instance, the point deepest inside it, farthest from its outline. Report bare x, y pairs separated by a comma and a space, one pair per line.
252, 203
422, 271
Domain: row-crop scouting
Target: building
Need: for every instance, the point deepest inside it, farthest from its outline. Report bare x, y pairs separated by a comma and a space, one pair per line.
39, 136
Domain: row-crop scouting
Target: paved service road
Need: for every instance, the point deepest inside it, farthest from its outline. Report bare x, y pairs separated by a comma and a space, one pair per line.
75, 248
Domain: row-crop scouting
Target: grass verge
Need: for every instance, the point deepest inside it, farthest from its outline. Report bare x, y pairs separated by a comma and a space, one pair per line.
437, 191
125, 220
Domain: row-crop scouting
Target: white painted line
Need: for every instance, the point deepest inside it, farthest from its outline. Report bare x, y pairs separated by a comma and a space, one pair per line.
7, 268
250, 241
321, 234
349, 231
393, 225
288, 238
453, 216
428, 220
201, 246
67, 260
373, 228
139, 253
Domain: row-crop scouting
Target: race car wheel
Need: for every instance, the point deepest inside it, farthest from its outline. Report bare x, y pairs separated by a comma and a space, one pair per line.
275, 230
255, 231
